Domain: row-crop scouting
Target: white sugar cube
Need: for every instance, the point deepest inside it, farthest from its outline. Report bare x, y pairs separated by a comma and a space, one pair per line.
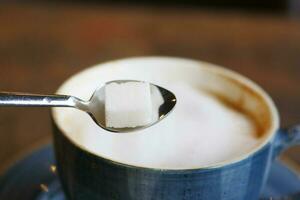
128, 104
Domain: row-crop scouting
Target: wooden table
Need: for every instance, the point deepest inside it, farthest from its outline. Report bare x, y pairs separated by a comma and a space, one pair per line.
42, 45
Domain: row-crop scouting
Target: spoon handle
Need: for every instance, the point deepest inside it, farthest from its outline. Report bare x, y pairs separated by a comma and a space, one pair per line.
36, 100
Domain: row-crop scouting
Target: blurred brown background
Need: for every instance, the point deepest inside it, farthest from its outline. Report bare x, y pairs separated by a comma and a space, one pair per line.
43, 43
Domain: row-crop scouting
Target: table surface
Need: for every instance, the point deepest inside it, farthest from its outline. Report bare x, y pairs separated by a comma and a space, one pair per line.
42, 45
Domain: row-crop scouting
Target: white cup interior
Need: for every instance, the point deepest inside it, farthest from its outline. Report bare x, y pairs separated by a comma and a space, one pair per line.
230, 86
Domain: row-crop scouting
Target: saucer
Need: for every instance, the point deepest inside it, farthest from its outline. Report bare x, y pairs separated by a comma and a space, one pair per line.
34, 178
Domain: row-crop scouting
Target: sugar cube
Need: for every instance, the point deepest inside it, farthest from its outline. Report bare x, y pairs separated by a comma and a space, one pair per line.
128, 104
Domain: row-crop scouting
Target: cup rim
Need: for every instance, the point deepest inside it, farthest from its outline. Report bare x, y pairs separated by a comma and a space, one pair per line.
241, 79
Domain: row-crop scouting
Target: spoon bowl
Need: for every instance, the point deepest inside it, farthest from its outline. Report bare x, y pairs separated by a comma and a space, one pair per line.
164, 97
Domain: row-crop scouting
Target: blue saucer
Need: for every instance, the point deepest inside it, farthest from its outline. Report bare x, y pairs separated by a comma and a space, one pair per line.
34, 178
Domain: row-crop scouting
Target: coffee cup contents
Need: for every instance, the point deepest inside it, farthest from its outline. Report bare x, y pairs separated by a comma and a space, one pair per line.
201, 131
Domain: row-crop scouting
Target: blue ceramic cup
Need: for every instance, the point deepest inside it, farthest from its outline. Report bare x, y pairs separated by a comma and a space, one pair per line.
87, 174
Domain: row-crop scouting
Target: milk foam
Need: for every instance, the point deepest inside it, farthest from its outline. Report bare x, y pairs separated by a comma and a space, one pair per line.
201, 131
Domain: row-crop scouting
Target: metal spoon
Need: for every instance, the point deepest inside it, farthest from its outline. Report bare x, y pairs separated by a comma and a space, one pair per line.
95, 107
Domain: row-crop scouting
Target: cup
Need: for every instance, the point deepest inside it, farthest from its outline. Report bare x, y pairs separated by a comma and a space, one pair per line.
88, 175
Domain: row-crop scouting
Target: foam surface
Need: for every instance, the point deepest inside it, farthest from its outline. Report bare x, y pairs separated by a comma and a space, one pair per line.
201, 131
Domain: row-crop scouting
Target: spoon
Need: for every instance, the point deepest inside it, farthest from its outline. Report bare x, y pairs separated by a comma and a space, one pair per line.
95, 107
